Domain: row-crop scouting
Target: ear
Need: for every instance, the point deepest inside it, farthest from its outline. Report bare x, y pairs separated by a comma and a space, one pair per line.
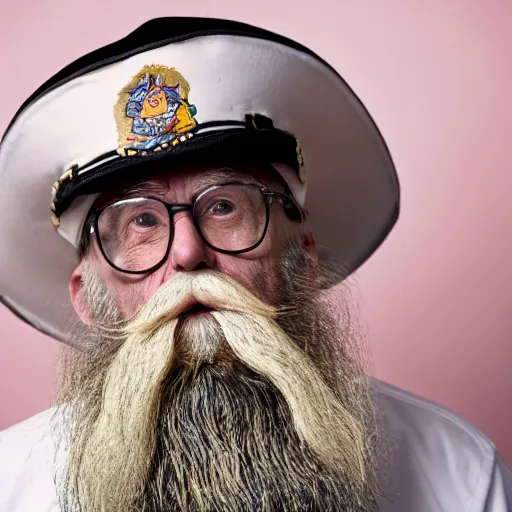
77, 296
308, 242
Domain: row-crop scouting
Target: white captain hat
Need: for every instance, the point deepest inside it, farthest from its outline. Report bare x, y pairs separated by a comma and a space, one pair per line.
173, 91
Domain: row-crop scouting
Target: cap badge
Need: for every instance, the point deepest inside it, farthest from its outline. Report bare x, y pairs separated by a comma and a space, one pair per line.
300, 162
153, 111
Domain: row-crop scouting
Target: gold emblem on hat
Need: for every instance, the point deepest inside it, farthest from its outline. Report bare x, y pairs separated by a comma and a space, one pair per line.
153, 111
67, 175
300, 162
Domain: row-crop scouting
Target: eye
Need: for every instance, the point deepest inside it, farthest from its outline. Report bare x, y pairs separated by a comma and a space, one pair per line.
222, 208
146, 220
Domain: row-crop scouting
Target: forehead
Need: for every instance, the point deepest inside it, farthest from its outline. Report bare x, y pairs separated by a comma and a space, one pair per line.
191, 180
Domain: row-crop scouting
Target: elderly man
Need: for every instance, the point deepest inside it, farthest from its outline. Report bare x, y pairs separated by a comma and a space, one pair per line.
207, 370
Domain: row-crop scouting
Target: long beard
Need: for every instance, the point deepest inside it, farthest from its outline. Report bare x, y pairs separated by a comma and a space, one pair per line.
245, 408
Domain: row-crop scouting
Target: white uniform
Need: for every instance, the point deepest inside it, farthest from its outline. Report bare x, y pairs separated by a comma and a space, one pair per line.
440, 462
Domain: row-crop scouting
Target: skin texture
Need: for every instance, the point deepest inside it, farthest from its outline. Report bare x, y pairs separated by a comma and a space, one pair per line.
256, 269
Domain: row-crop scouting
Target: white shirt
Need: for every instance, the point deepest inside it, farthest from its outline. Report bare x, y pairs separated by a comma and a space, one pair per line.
440, 462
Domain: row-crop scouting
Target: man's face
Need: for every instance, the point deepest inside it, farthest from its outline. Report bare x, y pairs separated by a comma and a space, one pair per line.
257, 269
258, 403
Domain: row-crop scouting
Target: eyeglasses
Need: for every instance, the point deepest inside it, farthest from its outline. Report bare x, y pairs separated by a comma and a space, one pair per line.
135, 235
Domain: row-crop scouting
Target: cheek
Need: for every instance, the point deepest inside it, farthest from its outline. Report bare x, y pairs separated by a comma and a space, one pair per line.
127, 301
260, 277
127, 296
259, 270
127, 291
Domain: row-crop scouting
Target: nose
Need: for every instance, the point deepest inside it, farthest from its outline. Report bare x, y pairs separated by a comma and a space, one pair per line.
188, 251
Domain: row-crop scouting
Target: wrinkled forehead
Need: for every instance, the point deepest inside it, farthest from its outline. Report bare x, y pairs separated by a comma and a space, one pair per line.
186, 182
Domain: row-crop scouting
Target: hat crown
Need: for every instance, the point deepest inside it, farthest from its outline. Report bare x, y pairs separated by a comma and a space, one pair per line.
153, 34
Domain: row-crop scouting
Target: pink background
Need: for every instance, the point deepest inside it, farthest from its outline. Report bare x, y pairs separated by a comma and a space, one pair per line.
437, 77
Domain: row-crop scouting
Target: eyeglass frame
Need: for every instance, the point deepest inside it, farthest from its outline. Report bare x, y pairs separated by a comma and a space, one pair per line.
269, 197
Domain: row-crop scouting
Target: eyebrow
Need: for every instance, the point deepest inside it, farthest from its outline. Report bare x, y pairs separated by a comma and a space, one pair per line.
141, 188
204, 180
221, 177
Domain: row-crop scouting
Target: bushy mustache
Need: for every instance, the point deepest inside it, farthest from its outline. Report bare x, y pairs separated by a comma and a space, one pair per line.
188, 289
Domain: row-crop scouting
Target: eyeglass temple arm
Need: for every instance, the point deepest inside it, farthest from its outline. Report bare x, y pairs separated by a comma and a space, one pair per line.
290, 206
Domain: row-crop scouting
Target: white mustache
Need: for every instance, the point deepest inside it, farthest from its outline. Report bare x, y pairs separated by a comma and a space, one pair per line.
186, 289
